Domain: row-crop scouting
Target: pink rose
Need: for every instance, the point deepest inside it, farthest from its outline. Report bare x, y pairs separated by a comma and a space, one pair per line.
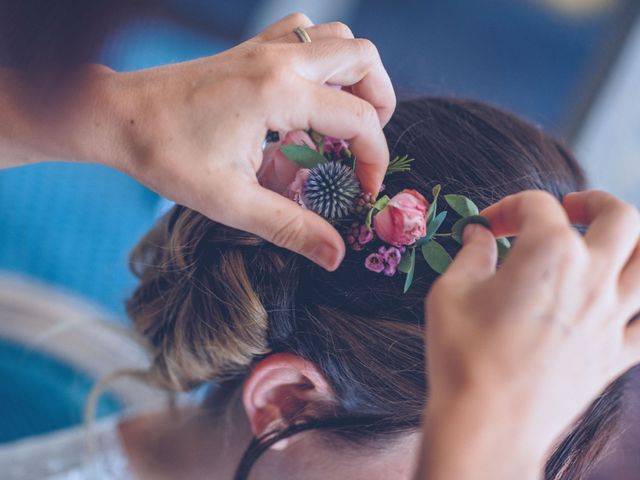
277, 171
294, 190
403, 220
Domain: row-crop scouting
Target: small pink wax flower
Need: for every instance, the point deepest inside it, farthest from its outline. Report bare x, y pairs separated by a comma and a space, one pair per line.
358, 235
294, 190
403, 220
392, 256
334, 145
365, 235
374, 262
390, 270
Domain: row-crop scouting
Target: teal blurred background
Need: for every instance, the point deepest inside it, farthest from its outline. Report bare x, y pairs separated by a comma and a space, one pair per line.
72, 226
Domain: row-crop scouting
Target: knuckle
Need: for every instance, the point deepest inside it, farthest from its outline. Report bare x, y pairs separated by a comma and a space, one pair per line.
275, 75
366, 47
289, 232
300, 19
367, 114
540, 197
629, 214
564, 243
340, 29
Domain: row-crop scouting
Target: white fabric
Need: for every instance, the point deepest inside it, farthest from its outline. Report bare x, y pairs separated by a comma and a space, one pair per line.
65, 455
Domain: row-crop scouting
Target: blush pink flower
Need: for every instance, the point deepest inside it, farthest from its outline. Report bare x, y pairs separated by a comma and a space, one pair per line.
403, 220
294, 190
277, 171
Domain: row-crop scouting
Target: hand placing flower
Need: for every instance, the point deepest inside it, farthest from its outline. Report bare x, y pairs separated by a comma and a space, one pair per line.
404, 220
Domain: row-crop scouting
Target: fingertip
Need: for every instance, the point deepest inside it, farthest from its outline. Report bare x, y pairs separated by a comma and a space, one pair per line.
328, 254
479, 254
478, 234
371, 164
574, 205
324, 246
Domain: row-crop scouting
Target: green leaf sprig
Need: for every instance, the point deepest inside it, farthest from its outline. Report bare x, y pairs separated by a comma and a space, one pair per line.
399, 165
303, 155
435, 255
379, 205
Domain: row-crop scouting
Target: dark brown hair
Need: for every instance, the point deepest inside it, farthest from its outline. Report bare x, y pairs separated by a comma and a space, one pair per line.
212, 301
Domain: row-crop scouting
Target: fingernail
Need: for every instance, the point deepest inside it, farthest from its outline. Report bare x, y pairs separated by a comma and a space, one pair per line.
327, 256
469, 231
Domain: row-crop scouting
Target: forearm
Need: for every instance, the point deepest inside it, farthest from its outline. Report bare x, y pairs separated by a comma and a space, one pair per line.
466, 440
82, 121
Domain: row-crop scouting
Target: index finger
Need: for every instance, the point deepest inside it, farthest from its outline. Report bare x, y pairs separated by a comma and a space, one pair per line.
531, 209
283, 222
614, 225
341, 115
352, 63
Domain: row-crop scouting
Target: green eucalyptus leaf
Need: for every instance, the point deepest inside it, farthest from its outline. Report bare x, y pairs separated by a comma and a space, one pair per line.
503, 246
458, 227
432, 228
405, 261
379, 205
436, 192
431, 213
462, 205
303, 155
412, 269
369, 218
436, 256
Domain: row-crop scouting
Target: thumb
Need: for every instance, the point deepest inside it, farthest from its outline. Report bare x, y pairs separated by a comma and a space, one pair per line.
477, 259
286, 224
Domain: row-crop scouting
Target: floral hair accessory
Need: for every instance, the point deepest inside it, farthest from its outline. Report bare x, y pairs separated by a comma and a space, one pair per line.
387, 230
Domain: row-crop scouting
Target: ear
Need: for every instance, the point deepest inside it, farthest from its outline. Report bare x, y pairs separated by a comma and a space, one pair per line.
281, 387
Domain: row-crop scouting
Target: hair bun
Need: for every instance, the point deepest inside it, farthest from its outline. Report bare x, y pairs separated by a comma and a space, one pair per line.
194, 340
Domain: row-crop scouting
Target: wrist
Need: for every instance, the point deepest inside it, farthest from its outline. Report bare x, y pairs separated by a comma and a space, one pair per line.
471, 437
98, 119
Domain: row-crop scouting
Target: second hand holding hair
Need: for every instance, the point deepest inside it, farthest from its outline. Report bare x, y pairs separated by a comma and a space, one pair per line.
516, 355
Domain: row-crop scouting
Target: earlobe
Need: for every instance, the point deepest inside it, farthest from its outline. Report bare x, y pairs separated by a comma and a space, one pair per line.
281, 388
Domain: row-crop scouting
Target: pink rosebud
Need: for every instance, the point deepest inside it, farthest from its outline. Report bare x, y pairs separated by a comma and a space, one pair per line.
403, 220
374, 262
365, 235
277, 171
294, 190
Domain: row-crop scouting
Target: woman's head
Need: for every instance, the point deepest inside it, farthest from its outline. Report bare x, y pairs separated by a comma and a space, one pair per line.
215, 303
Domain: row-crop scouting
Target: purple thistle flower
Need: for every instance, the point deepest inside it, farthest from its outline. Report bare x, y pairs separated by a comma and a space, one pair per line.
390, 270
392, 256
374, 263
365, 235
